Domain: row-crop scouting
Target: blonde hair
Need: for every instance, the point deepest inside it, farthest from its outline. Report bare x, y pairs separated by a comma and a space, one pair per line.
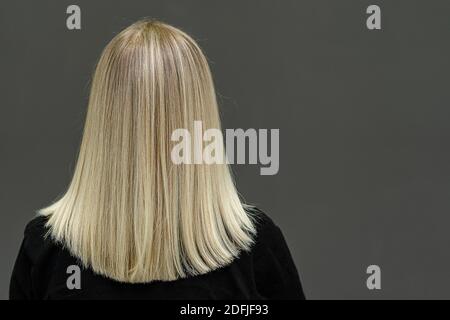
130, 213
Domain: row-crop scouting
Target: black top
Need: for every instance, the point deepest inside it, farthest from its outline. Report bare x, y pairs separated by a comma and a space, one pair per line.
267, 271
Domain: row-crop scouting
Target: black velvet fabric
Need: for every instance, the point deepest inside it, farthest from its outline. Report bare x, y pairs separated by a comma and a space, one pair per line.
267, 271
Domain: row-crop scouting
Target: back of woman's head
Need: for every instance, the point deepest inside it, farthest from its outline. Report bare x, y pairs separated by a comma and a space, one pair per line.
130, 213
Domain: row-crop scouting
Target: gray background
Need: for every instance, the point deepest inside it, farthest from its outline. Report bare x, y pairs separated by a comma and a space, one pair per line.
363, 115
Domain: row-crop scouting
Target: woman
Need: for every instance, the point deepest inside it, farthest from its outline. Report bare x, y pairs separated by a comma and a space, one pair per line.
133, 224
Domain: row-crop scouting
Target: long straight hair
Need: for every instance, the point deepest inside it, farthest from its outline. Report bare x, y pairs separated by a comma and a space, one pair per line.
130, 213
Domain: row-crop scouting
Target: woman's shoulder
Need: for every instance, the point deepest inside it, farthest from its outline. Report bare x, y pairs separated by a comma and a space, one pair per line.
276, 275
262, 221
268, 234
36, 226
36, 238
